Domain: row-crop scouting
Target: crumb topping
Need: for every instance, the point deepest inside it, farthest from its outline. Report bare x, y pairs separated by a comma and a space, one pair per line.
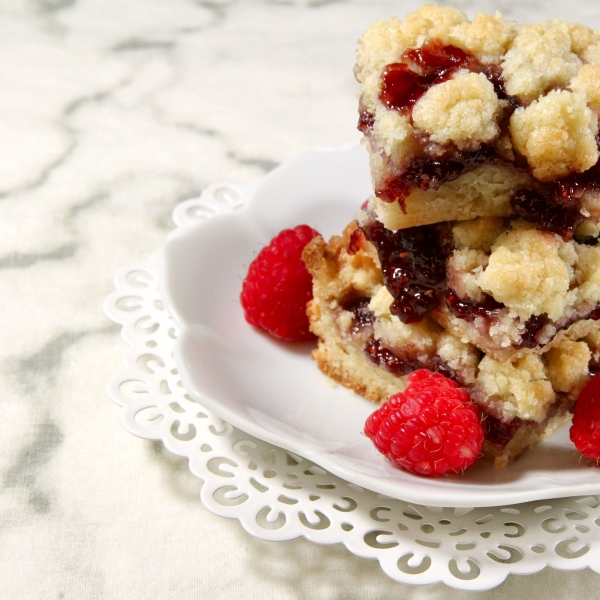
568, 366
557, 135
587, 274
478, 234
587, 81
463, 269
517, 389
463, 110
592, 54
396, 134
527, 274
582, 38
460, 357
540, 58
486, 36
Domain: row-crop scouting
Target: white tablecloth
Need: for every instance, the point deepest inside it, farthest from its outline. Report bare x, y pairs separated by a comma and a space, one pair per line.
112, 113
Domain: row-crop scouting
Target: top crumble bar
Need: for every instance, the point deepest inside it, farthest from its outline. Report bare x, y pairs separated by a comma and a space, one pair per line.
465, 119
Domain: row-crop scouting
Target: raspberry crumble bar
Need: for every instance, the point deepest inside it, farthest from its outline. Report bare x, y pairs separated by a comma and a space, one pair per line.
366, 348
464, 119
477, 254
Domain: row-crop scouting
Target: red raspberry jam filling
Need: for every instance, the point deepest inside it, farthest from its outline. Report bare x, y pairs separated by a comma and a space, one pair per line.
362, 316
365, 121
401, 87
404, 364
388, 360
530, 338
534, 328
469, 309
355, 241
403, 83
498, 432
594, 366
413, 262
556, 207
550, 212
429, 173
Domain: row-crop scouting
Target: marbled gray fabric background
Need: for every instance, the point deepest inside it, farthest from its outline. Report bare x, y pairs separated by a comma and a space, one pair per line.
113, 112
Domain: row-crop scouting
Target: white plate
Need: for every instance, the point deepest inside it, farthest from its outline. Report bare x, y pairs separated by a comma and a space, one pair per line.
273, 390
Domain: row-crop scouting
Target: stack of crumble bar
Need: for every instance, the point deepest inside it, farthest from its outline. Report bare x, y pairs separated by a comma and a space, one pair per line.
477, 255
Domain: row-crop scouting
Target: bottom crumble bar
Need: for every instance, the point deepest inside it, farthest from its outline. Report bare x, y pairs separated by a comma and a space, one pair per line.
367, 349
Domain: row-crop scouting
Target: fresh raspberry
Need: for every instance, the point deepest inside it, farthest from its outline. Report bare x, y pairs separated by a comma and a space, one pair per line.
585, 430
278, 286
431, 428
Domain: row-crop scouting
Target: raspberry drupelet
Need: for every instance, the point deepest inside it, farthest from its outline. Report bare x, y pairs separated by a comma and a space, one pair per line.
432, 428
278, 286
